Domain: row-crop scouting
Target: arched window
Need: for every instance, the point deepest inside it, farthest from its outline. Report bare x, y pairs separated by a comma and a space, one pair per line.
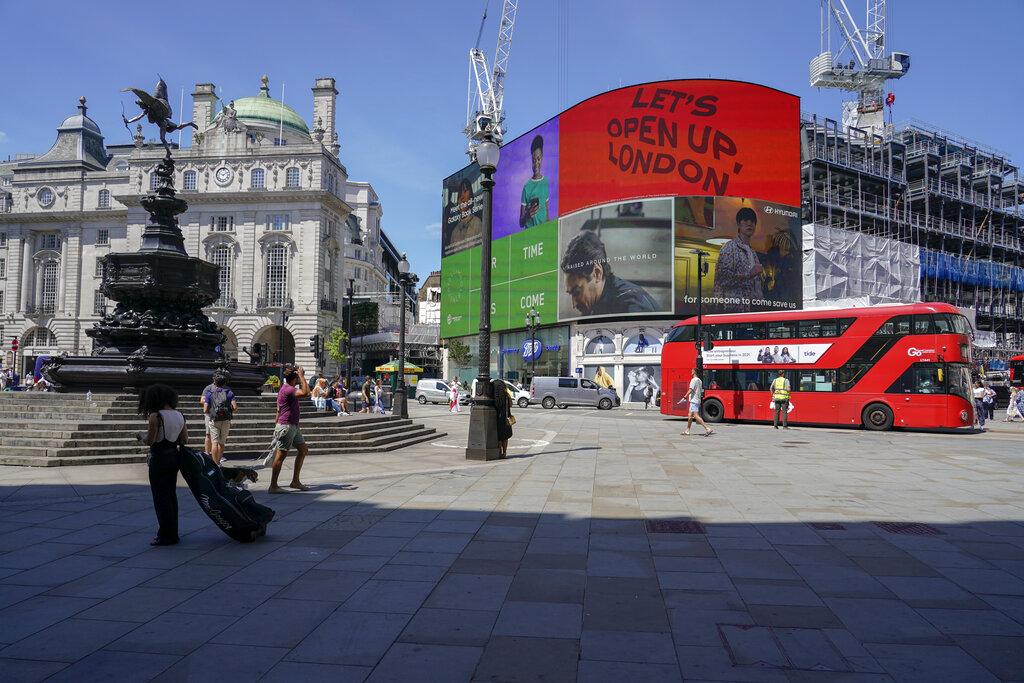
258, 178
600, 344
154, 181
328, 282
45, 197
643, 343
292, 177
276, 288
104, 199
221, 256
189, 180
40, 336
48, 289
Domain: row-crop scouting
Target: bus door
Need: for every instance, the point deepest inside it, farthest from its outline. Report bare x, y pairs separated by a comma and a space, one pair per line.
815, 397
919, 396
752, 395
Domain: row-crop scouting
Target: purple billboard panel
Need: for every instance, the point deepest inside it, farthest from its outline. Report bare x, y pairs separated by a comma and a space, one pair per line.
526, 187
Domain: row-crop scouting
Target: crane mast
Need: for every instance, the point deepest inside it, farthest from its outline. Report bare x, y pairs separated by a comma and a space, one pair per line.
485, 113
868, 67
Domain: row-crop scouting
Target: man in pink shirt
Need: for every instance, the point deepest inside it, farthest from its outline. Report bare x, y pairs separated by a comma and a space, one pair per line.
287, 431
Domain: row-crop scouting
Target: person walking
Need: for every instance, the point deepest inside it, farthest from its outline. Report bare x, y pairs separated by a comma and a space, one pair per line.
367, 396
219, 407
503, 414
979, 406
990, 401
454, 406
287, 433
780, 396
1012, 409
208, 440
694, 395
378, 397
166, 431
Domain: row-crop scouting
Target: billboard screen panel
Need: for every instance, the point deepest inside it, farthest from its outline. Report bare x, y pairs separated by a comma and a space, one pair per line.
596, 212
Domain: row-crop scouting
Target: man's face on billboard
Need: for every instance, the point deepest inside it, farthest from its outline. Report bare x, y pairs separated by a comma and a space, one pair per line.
537, 159
585, 290
746, 229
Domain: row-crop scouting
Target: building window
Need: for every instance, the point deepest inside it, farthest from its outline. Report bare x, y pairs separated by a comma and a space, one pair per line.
99, 303
48, 298
221, 256
281, 222
189, 180
329, 276
1, 307
222, 223
102, 236
7, 181
50, 241
154, 181
45, 197
3, 267
277, 275
41, 336
258, 178
103, 201
279, 142
292, 177
3, 239
100, 268
359, 254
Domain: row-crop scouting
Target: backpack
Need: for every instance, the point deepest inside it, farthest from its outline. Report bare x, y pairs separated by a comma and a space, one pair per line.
220, 406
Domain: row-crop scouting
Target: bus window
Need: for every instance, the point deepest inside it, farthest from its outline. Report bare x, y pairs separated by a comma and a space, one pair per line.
811, 329
920, 378
817, 380
897, 326
850, 374
750, 380
960, 380
943, 324
683, 333
722, 379
781, 329
723, 332
751, 330
923, 324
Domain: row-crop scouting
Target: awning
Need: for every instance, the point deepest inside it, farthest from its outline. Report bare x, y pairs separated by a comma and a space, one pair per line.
392, 366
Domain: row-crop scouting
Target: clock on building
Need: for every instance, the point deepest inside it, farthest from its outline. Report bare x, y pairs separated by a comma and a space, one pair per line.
223, 175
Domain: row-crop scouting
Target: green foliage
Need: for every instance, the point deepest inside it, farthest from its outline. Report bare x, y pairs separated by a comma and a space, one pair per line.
458, 353
364, 318
335, 344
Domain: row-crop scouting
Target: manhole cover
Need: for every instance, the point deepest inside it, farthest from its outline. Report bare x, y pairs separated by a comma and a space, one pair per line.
908, 528
674, 526
828, 526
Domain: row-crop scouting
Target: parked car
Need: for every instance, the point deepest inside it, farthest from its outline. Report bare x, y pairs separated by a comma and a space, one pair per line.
433, 391
571, 391
521, 397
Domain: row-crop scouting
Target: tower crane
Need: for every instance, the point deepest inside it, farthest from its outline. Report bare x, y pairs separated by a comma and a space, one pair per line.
484, 112
868, 67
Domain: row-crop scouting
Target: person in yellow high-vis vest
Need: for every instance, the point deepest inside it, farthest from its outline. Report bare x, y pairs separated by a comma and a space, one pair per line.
780, 394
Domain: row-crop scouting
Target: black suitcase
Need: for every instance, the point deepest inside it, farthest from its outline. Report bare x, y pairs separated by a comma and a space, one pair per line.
231, 507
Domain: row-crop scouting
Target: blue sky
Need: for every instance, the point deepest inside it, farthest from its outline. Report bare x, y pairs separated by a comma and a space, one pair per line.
402, 70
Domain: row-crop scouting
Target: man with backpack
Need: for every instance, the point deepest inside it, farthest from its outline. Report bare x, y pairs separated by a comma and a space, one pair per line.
219, 405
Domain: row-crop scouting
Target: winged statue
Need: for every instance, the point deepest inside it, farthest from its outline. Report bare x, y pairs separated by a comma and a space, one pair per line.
157, 110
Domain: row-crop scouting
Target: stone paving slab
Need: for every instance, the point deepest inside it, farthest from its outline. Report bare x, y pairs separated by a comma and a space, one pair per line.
606, 548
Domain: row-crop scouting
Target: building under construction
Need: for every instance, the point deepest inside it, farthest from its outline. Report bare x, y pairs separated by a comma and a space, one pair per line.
953, 203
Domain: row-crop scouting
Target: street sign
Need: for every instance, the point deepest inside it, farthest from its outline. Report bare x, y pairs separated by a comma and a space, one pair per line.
14, 345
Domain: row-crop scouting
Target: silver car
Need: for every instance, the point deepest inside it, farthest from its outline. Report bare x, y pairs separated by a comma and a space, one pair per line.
433, 391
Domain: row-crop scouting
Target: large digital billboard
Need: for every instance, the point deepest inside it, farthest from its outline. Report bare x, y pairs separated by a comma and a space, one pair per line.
598, 211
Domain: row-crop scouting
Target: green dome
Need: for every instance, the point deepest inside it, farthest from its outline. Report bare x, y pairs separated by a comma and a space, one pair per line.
265, 109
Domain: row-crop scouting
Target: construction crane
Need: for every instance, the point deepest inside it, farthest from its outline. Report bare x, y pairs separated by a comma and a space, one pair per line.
868, 67
484, 112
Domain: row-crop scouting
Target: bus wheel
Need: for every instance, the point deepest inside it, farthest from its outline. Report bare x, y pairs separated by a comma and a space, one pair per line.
712, 410
548, 402
878, 417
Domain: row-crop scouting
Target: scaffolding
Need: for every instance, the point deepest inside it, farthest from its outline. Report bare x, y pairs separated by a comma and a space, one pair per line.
958, 201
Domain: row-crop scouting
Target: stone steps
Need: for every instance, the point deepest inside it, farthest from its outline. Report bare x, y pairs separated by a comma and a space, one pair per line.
58, 429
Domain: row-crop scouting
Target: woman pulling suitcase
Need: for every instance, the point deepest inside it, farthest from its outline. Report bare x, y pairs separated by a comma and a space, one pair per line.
167, 430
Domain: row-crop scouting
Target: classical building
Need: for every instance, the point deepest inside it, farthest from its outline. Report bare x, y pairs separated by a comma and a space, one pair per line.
269, 202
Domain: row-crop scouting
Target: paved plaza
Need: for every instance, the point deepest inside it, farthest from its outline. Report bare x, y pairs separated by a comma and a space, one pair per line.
606, 548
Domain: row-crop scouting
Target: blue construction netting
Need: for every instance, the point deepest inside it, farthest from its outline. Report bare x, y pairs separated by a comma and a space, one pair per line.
941, 266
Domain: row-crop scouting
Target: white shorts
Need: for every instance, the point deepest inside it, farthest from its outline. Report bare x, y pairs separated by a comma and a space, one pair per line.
694, 407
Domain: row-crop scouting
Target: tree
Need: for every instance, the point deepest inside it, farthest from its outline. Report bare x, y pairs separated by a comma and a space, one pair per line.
336, 344
458, 353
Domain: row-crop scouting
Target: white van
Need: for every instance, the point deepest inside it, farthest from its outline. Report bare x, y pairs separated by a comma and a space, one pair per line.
571, 391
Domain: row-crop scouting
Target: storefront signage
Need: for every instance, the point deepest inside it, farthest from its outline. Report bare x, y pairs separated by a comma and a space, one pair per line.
532, 348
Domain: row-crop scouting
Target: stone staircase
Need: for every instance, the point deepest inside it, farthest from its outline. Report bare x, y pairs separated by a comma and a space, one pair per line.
50, 429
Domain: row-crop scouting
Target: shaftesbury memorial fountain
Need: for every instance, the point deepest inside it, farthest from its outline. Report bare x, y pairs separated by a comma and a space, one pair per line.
158, 331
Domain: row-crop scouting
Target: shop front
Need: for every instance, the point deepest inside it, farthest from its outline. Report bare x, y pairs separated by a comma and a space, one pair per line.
519, 356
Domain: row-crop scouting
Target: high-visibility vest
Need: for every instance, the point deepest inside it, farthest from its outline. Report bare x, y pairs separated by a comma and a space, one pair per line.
779, 390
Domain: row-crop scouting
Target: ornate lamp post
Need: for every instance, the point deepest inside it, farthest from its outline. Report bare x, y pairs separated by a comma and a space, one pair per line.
348, 341
400, 406
483, 427
532, 321
702, 269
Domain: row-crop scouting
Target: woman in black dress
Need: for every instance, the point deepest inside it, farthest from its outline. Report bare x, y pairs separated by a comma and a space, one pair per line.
503, 411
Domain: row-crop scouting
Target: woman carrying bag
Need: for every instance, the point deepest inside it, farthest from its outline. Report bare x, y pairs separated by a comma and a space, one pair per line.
167, 431
503, 413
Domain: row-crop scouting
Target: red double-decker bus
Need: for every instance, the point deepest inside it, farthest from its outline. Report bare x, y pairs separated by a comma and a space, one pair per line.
904, 365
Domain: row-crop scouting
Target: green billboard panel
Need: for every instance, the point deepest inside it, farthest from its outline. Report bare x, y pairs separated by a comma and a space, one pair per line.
536, 292
457, 299
533, 251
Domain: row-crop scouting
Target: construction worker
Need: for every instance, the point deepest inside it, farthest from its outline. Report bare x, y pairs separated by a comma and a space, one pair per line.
780, 395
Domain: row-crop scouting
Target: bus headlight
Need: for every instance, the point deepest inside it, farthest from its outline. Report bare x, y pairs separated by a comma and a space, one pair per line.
964, 416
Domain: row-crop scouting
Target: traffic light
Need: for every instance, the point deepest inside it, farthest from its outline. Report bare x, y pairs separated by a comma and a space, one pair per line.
708, 344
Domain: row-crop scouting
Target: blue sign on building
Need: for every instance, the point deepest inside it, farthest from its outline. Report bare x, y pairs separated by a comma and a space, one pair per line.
532, 349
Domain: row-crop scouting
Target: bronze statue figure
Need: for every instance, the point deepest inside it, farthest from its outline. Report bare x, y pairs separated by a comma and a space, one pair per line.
157, 110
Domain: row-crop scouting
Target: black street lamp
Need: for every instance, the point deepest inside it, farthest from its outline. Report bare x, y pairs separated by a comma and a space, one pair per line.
702, 269
483, 426
348, 342
532, 321
400, 405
